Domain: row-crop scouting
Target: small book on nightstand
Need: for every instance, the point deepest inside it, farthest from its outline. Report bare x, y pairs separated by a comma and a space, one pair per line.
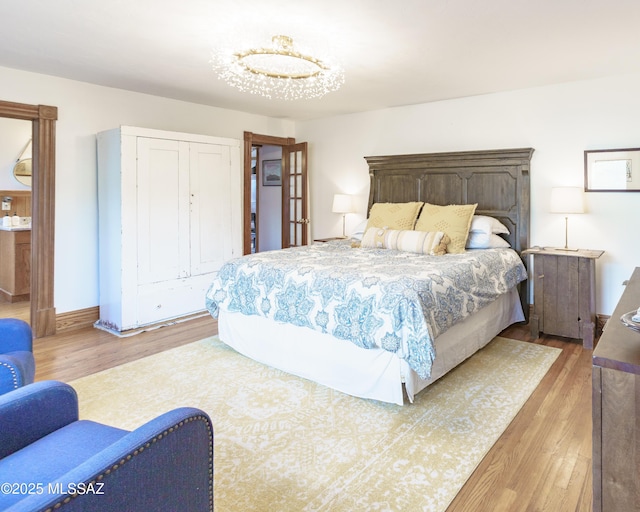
330, 239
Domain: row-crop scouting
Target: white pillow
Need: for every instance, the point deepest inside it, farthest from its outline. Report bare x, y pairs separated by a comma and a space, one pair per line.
433, 243
358, 231
486, 241
486, 224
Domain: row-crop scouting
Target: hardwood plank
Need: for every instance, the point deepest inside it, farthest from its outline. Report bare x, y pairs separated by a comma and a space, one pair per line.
21, 310
543, 459
541, 462
69, 355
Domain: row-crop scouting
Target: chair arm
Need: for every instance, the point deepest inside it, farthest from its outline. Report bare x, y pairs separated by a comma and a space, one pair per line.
34, 411
15, 335
17, 369
166, 464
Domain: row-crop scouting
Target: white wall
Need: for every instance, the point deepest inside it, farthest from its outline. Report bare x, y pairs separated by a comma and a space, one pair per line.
84, 110
559, 122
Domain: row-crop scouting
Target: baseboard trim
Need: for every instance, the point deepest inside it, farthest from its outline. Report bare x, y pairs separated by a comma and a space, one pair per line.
151, 327
5, 296
77, 319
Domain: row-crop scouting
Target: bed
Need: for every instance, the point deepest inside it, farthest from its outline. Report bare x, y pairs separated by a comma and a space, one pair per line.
318, 311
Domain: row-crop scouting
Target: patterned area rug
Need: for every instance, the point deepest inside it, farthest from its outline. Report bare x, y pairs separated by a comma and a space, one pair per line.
283, 443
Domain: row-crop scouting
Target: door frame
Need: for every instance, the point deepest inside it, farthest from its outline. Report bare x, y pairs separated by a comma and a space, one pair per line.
250, 140
43, 120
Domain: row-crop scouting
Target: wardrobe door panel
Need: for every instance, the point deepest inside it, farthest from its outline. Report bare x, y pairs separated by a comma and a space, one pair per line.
162, 210
210, 216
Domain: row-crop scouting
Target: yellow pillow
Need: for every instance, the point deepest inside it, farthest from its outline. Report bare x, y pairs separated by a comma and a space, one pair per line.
453, 219
394, 215
433, 243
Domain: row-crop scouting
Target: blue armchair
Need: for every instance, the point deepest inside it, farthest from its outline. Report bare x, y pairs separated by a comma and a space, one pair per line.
51, 460
17, 366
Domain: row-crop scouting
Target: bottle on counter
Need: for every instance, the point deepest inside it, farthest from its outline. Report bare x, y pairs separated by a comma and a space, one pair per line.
6, 221
15, 220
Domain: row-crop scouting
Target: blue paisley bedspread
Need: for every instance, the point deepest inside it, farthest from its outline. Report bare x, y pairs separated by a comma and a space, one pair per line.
398, 301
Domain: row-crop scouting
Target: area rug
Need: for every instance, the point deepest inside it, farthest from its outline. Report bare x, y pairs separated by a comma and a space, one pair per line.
283, 443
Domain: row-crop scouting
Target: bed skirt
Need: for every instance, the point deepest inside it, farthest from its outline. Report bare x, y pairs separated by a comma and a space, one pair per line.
366, 373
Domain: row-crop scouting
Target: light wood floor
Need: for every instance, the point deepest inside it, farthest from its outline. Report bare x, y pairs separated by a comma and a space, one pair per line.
542, 462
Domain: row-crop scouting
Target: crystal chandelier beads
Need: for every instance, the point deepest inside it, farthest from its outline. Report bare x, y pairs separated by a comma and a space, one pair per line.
278, 71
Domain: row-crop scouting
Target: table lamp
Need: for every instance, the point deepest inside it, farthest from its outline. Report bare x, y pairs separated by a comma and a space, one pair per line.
567, 200
342, 203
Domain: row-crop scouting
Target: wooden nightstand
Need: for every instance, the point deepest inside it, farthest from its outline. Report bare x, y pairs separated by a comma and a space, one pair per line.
564, 293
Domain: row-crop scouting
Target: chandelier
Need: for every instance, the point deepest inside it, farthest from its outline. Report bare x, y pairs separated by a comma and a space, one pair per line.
278, 71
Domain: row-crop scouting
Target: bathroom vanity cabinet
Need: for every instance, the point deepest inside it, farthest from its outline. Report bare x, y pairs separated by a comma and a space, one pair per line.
15, 264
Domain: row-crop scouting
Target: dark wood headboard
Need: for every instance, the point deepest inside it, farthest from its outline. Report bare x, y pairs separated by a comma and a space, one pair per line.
497, 180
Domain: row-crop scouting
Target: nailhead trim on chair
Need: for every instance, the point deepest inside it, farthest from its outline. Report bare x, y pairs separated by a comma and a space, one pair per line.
139, 450
14, 374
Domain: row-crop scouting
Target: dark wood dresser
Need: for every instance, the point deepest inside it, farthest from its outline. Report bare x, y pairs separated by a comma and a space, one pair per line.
616, 410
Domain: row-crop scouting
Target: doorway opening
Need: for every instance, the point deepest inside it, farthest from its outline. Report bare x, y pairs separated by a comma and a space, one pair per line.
43, 120
275, 193
15, 218
266, 198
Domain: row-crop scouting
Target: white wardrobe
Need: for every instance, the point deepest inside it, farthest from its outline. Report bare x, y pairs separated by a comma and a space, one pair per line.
169, 215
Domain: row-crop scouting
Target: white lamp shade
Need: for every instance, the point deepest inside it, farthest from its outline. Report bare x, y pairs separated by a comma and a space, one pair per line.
342, 203
567, 200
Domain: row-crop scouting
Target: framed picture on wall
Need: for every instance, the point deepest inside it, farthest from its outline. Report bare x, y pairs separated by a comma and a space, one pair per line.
612, 170
272, 173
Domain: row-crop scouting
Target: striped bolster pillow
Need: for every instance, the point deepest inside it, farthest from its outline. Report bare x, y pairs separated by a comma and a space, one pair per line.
433, 243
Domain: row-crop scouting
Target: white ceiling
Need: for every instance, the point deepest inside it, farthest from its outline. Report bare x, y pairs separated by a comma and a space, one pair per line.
394, 53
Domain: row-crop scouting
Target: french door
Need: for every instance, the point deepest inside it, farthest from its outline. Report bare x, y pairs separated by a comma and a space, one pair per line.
295, 211
294, 218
